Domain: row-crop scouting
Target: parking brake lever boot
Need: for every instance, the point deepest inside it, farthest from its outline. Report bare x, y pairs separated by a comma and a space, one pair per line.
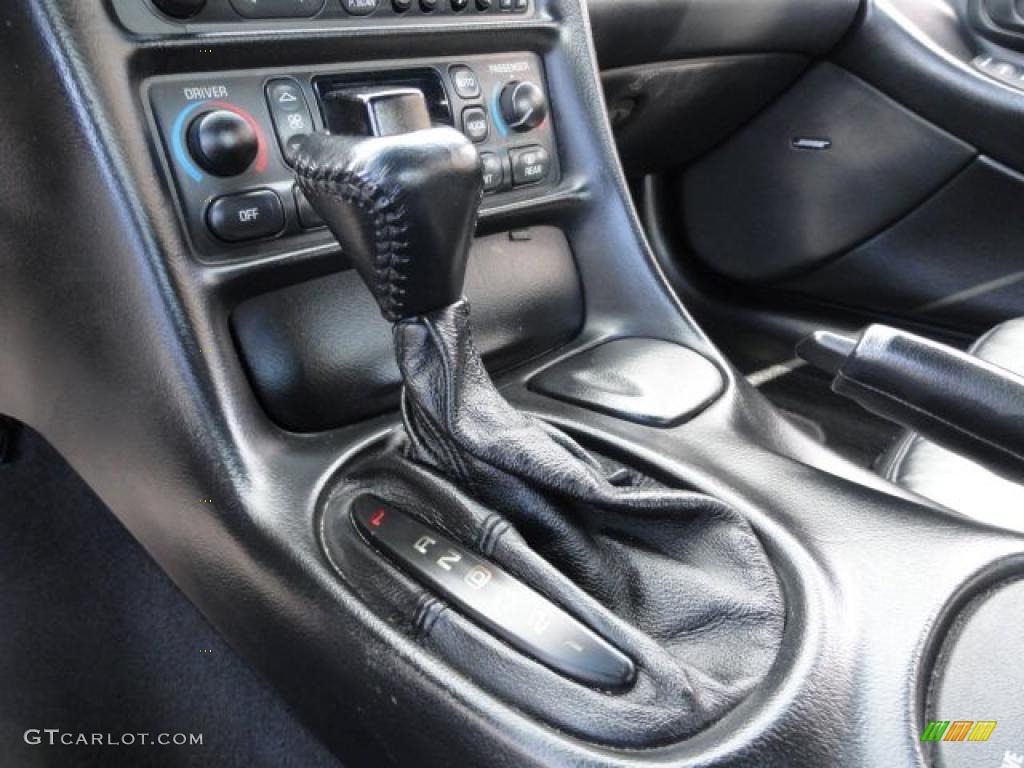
964, 404
681, 571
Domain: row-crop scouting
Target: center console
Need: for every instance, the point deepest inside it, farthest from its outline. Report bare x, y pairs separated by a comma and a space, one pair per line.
222, 377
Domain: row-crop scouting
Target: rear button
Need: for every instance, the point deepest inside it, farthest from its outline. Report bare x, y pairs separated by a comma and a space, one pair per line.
359, 7
249, 216
529, 165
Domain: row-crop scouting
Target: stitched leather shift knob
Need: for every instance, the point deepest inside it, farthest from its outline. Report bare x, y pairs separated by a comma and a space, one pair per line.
403, 207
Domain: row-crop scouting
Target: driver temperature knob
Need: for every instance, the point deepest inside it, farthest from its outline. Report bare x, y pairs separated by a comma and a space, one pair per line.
222, 142
523, 105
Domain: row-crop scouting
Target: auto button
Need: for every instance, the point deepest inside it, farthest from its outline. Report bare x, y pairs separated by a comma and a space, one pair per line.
465, 81
487, 594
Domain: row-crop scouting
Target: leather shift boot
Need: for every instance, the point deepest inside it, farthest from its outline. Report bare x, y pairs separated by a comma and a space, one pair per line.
676, 579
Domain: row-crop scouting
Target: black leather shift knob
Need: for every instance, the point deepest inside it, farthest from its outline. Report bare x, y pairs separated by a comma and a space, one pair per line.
403, 207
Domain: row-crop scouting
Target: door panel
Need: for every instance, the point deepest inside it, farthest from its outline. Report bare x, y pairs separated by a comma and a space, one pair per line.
958, 260
629, 32
904, 202
681, 75
668, 114
866, 162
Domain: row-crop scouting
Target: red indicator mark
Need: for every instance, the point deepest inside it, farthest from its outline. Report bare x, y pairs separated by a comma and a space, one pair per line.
378, 518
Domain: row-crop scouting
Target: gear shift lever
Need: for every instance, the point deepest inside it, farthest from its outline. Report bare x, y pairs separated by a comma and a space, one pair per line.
676, 579
403, 206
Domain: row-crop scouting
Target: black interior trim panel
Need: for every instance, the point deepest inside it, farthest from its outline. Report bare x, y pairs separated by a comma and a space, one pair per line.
810, 186
920, 54
922, 257
118, 346
628, 32
668, 114
312, 373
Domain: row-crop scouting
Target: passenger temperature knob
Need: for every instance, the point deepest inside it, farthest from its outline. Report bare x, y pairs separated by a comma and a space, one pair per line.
523, 105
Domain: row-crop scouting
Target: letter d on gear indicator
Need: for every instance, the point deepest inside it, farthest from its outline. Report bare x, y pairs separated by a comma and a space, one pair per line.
478, 577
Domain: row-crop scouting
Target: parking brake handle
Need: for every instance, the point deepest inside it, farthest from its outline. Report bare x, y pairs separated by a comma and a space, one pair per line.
954, 399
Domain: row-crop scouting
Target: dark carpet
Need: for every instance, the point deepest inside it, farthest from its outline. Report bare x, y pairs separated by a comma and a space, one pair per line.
95, 639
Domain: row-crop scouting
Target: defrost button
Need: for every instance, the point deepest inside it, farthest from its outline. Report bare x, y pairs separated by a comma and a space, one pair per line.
290, 114
494, 171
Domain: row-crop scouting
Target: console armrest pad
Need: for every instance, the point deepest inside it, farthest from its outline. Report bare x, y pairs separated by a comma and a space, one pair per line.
646, 381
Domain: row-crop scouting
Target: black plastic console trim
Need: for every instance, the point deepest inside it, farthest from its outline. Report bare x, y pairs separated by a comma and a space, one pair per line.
116, 346
492, 597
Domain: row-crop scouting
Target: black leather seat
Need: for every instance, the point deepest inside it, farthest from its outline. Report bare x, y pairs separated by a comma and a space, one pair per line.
949, 479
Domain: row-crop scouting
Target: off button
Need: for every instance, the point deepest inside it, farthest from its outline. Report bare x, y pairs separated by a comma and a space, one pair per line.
250, 216
529, 165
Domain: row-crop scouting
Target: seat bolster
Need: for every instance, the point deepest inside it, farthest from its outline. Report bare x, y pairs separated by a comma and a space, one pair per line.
1003, 346
949, 479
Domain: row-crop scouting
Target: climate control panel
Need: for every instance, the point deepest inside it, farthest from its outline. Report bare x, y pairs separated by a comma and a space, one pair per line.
229, 140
